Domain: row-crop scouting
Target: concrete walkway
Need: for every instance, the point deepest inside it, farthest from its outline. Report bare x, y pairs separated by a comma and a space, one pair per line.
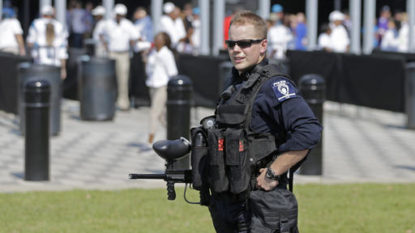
360, 145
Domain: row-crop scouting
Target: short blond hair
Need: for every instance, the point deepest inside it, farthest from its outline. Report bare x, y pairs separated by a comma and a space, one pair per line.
249, 17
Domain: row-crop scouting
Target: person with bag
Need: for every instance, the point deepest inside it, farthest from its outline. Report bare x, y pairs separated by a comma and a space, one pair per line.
263, 128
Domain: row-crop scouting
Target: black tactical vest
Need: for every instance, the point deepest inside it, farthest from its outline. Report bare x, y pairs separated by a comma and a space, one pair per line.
235, 151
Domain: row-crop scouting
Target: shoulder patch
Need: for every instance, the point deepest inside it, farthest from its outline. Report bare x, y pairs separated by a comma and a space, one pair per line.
283, 90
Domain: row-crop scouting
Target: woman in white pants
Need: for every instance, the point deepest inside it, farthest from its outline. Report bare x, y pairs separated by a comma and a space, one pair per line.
161, 66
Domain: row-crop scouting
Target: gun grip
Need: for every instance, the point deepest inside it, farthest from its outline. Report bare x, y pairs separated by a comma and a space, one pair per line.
171, 193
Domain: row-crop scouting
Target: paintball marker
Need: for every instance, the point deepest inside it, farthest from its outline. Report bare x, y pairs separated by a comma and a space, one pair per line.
171, 151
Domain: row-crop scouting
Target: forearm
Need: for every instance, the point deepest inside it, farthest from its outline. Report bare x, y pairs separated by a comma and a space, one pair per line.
286, 160
63, 68
281, 165
20, 42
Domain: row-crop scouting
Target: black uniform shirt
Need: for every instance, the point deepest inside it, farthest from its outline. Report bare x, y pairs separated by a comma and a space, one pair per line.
279, 106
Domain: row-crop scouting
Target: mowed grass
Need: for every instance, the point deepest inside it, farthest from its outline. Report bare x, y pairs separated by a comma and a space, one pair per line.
350, 208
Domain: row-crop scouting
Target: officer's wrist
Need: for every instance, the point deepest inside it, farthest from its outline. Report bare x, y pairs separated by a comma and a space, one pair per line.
270, 174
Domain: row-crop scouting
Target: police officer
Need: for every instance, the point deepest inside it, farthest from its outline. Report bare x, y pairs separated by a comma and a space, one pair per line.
277, 110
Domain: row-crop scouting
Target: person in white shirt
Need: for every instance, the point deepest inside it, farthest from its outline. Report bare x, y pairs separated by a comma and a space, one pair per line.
11, 39
324, 41
279, 35
403, 37
118, 35
339, 37
161, 66
99, 12
390, 38
48, 40
172, 24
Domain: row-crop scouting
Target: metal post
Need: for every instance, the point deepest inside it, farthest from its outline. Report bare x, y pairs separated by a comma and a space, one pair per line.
311, 14
204, 19
313, 89
355, 16
26, 17
156, 13
44, 3
410, 8
219, 15
60, 6
264, 8
179, 101
1, 9
369, 21
337, 5
34, 72
37, 96
109, 5
410, 95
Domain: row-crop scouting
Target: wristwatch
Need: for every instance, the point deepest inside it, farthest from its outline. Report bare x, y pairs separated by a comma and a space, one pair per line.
271, 174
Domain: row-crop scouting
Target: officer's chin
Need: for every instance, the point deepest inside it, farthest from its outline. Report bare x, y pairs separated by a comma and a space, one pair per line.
242, 68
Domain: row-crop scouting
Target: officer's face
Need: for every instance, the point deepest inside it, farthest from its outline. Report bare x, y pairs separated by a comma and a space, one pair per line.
243, 57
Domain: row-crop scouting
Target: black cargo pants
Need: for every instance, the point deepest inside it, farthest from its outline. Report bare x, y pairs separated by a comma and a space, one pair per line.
263, 212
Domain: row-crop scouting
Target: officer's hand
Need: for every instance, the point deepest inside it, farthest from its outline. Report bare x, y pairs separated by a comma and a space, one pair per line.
264, 183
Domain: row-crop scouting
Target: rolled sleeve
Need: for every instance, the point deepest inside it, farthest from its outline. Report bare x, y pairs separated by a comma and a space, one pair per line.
285, 114
303, 128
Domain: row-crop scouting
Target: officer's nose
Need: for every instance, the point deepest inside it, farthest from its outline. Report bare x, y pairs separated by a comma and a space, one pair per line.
236, 48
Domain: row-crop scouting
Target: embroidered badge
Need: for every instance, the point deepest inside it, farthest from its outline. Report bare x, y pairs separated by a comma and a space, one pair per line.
283, 90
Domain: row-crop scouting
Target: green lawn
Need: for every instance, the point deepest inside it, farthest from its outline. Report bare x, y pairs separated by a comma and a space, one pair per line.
323, 208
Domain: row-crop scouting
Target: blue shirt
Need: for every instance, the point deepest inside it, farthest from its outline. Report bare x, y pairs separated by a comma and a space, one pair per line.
300, 35
146, 28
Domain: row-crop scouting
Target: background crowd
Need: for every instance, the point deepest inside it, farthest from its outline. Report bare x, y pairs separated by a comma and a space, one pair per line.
118, 38
286, 31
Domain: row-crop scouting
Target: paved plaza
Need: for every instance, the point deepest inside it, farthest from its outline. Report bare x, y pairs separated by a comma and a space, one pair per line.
359, 145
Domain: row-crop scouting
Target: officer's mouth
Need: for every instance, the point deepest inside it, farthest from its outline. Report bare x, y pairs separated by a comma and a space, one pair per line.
239, 59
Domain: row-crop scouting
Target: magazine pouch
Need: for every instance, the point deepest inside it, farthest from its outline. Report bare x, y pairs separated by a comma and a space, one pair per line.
218, 180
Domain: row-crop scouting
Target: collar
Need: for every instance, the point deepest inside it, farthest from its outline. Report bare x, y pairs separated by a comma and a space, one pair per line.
245, 75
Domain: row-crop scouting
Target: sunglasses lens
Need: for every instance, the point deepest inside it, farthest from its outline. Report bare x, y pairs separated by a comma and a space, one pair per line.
230, 44
241, 43
244, 44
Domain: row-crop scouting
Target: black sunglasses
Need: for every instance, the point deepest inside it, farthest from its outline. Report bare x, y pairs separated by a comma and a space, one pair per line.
242, 43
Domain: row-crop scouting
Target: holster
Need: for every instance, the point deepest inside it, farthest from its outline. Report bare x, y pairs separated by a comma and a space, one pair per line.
199, 159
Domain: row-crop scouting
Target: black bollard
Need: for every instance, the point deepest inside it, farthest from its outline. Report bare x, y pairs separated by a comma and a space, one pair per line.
34, 72
410, 95
37, 104
179, 101
97, 88
313, 90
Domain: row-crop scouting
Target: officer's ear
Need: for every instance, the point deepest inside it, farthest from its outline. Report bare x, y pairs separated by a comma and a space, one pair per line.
264, 44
